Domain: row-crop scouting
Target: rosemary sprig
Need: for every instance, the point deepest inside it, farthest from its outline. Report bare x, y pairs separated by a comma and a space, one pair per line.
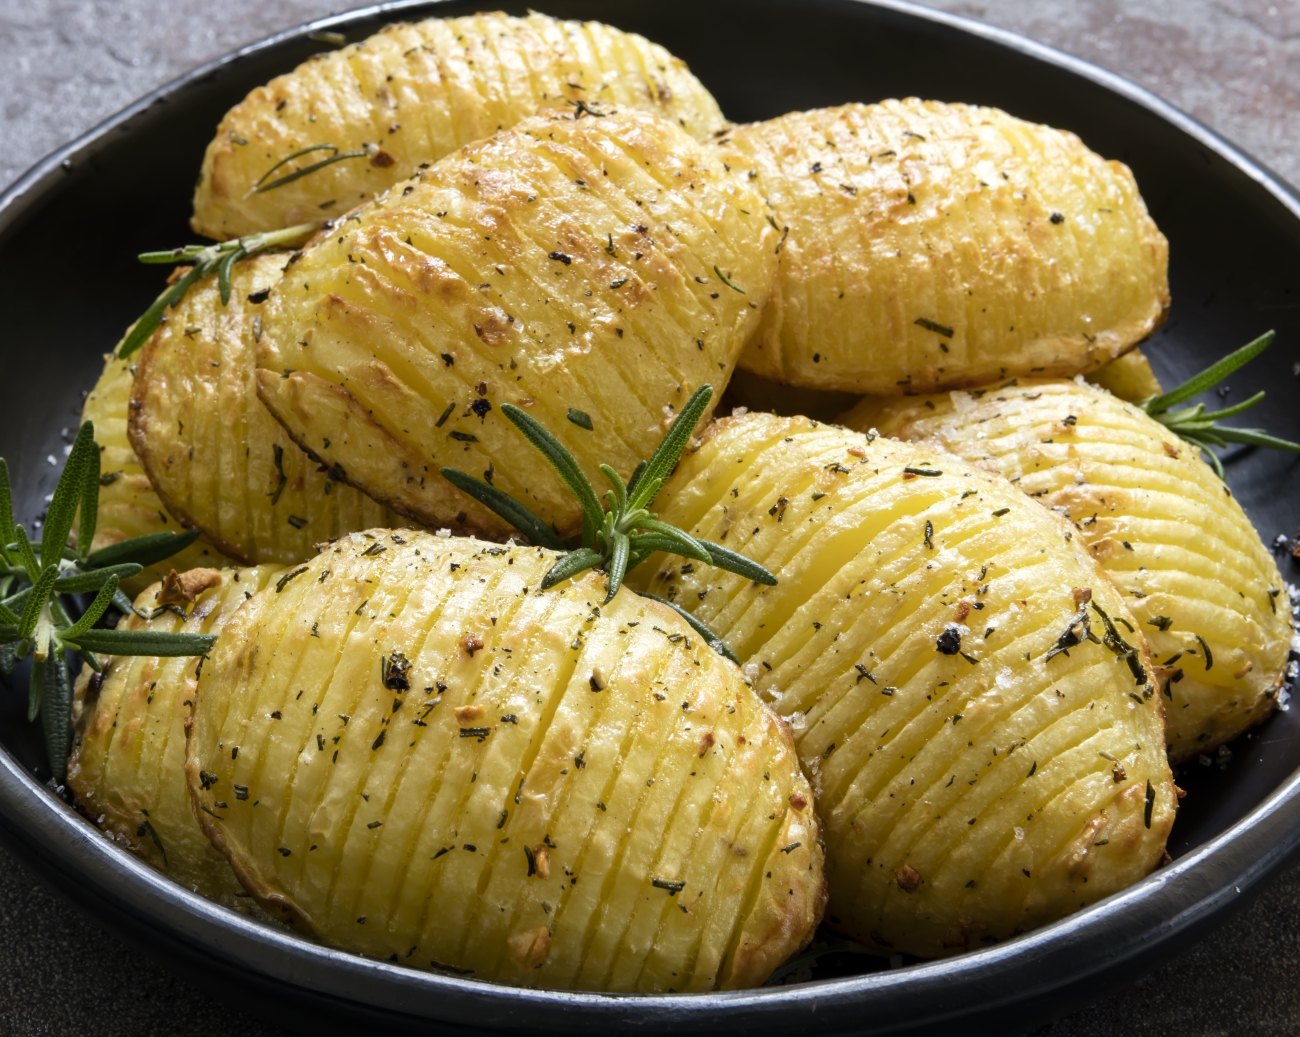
36, 581
261, 187
1199, 426
204, 259
620, 535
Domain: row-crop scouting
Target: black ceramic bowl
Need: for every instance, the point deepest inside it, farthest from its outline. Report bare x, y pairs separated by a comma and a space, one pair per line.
1234, 232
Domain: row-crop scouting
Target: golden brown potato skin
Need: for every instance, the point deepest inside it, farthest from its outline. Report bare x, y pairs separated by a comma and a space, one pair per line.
417, 752
568, 265
1158, 520
128, 505
418, 92
128, 752
216, 457
935, 246
973, 787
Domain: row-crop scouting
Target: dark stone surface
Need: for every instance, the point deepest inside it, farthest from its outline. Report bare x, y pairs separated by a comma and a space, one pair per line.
67, 64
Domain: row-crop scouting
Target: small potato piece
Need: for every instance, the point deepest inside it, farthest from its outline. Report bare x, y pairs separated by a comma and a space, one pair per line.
413, 93
974, 780
1129, 377
127, 767
215, 455
1158, 520
128, 505
570, 266
937, 246
440, 762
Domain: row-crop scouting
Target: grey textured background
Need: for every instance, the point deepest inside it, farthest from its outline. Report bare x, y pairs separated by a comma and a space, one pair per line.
67, 64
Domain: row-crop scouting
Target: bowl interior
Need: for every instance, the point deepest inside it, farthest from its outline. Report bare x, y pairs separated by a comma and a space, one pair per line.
71, 285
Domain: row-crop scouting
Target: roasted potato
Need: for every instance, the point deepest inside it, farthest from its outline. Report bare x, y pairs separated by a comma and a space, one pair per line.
593, 270
982, 765
410, 95
127, 767
1163, 526
216, 456
128, 505
934, 246
1129, 377
411, 750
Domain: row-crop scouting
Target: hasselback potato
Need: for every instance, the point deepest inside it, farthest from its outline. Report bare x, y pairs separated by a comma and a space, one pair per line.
127, 768
411, 750
128, 505
936, 246
215, 455
982, 765
1162, 525
592, 270
410, 95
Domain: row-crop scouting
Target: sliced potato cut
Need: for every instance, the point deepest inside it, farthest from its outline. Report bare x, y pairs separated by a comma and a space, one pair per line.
215, 455
1162, 525
974, 779
594, 271
128, 505
940, 246
421, 755
127, 766
413, 93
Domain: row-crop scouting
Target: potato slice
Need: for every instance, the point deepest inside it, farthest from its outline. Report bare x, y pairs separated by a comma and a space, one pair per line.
940, 246
128, 505
1129, 377
594, 271
128, 750
1163, 526
415, 92
974, 779
418, 754
215, 455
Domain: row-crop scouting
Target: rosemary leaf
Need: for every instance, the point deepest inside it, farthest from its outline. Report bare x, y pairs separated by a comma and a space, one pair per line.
73, 581
1211, 376
56, 713
25, 553
91, 616
664, 459
6, 509
506, 506
617, 567
620, 490
563, 462
338, 156
1256, 437
41, 588
143, 550
687, 544
89, 516
714, 641
36, 687
67, 495
723, 558
571, 564
145, 642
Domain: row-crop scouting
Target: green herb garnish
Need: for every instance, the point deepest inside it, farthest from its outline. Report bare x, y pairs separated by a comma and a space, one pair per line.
262, 185
621, 536
35, 580
1199, 426
204, 259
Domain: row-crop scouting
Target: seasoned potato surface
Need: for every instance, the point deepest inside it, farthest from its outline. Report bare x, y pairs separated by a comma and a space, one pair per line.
1163, 526
216, 456
128, 505
127, 766
982, 765
940, 246
411, 750
592, 270
415, 92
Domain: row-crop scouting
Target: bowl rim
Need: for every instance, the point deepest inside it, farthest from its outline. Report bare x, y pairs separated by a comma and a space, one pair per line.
1177, 900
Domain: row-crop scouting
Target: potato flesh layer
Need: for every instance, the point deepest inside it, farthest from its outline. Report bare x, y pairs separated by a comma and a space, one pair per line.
215, 455
127, 766
128, 504
940, 246
419, 91
568, 794
966, 796
1162, 525
568, 266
